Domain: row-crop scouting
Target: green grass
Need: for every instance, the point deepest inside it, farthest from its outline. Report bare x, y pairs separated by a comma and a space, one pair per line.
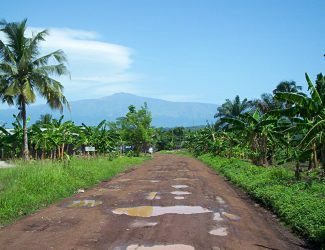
300, 204
177, 152
36, 184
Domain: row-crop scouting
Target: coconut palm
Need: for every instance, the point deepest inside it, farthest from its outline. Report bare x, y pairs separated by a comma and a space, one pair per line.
233, 108
24, 73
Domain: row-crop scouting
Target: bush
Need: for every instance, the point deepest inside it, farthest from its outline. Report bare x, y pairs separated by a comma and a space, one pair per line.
300, 206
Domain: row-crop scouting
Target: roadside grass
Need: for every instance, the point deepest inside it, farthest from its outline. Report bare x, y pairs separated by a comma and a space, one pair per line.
32, 185
177, 152
299, 204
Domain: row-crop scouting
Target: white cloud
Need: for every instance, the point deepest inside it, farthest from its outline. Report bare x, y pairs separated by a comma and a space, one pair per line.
97, 68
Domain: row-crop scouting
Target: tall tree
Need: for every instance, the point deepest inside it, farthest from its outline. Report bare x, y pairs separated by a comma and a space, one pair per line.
24, 73
233, 108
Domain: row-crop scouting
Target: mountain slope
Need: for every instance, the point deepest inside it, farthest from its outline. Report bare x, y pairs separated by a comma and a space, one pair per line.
92, 111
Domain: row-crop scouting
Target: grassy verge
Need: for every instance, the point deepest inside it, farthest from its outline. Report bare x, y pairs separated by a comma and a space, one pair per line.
300, 204
177, 152
31, 186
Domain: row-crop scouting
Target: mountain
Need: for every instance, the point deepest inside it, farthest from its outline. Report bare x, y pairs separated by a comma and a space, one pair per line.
92, 111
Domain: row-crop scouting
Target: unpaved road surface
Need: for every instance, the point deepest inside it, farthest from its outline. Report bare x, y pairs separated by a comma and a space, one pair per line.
171, 202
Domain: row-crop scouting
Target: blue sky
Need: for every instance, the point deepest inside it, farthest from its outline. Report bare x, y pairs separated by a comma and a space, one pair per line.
180, 50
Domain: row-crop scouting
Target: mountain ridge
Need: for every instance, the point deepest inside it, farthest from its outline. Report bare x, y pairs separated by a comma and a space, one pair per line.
164, 113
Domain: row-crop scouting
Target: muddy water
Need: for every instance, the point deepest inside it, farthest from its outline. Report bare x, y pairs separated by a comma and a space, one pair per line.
151, 196
221, 231
82, 203
220, 200
231, 216
217, 217
160, 247
149, 211
139, 224
179, 186
180, 192
179, 197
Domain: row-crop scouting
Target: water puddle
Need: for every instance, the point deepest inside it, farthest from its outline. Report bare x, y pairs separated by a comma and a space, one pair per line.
217, 217
154, 181
160, 171
161, 247
221, 231
83, 203
157, 197
180, 192
220, 200
179, 186
139, 224
179, 197
231, 216
149, 211
151, 196
182, 179
183, 170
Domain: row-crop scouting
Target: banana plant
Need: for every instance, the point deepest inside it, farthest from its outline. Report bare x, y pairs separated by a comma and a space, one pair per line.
255, 130
312, 109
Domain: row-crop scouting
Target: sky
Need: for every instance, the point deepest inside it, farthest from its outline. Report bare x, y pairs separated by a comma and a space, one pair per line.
179, 50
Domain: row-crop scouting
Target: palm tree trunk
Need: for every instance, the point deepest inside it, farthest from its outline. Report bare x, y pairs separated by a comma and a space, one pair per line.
23, 113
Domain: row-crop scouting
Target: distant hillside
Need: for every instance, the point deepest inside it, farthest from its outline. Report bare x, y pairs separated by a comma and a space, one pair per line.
92, 111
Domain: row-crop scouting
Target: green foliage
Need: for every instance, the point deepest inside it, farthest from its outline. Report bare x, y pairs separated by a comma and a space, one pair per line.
300, 204
169, 139
36, 184
23, 72
136, 128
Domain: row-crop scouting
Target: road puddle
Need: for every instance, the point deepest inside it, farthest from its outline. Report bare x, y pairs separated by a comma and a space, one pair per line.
182, 179
149, 211
221, 231
179, 197
217, 217
151, 196
231, 216
83, 203
154, 181
220, 200
183, 170
180, 192
140, 224
179, 186
160, 247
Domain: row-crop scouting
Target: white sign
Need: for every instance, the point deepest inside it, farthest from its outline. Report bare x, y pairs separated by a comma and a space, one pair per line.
90, 149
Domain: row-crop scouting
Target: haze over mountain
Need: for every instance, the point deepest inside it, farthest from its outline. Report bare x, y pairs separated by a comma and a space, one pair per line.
92, 111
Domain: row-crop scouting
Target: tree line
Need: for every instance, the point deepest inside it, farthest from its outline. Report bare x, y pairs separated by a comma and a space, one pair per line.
287, 125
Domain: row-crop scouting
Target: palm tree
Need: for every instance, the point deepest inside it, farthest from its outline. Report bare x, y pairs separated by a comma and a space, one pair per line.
23, 72
266, 103
233, 108
287, 86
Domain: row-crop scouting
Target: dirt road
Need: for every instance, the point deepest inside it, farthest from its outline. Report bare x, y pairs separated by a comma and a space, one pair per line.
171, 202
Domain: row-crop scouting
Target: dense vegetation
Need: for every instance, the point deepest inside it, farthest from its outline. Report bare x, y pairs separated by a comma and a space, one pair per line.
35, 184
300, 204
286, 126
